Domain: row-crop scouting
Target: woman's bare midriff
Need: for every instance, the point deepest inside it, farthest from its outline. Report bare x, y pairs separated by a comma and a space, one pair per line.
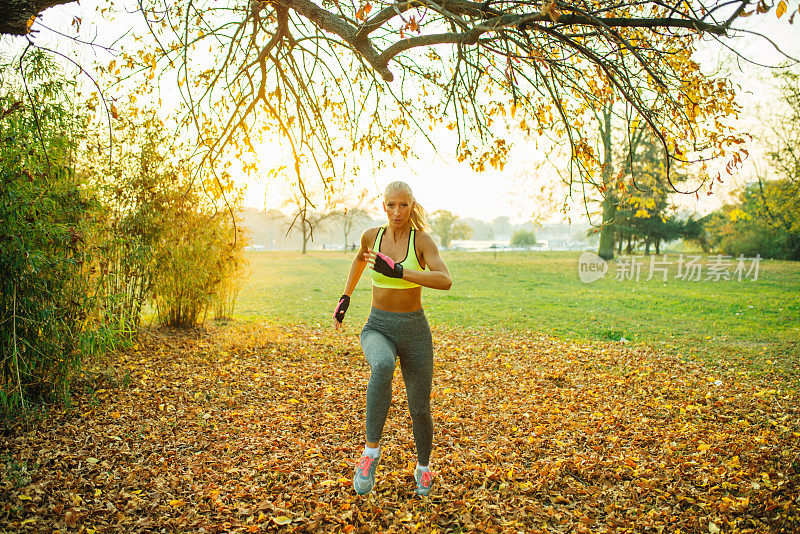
397, 300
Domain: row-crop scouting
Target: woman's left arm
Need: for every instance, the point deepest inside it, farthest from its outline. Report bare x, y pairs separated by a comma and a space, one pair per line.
438, 276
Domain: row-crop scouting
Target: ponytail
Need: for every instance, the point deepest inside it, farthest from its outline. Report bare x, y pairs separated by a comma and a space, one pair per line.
418, 219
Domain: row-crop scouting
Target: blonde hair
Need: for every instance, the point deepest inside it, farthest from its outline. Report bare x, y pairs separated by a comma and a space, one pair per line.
417, 219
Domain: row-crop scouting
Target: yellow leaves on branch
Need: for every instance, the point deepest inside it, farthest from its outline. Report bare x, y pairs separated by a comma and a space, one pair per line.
362, 13
644, 205
586, 155
780, 10
692, 111
496, 156
736, 215
410, 25
219, 187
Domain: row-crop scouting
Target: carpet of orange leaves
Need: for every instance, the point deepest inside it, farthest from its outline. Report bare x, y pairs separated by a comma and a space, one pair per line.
253, 428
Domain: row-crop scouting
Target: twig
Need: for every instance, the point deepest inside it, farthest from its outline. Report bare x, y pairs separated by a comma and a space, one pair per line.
33, 108
16, 106
16, 352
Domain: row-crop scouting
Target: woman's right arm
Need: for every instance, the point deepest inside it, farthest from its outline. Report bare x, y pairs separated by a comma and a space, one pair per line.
356, 270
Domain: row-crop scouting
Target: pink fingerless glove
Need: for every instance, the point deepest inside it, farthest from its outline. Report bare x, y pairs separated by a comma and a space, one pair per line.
387, 266
341, 308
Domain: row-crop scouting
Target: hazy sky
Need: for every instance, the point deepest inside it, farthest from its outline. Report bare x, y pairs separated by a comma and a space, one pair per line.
437, 180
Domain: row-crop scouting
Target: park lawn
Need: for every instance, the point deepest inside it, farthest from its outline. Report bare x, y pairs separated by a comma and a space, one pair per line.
752, 325
255, 426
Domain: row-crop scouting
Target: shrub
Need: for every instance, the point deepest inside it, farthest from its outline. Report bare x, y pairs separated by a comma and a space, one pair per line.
45, 217
198, 265
165, 242
523, 238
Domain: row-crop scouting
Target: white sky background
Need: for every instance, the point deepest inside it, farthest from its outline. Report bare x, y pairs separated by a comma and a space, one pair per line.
436, 179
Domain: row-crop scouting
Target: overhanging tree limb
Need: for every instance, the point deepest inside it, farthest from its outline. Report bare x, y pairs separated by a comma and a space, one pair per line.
304, 68
15, 15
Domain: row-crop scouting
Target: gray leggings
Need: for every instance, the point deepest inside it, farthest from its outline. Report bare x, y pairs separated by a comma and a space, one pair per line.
408, 336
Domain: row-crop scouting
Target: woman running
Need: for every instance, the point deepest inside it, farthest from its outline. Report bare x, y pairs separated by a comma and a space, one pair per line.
398, 255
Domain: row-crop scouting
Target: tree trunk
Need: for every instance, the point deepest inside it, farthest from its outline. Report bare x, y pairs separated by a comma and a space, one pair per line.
607, 228
606, 249
305, 237
647, 246
347, 227
658, 247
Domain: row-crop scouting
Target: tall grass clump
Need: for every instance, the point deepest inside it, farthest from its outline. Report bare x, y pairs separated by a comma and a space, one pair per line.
46, 215
199, 264
170, 238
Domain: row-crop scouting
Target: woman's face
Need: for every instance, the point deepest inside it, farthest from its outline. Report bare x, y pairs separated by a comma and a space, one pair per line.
398, 207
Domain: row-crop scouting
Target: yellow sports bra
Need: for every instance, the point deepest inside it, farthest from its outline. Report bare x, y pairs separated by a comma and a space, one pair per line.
409, 262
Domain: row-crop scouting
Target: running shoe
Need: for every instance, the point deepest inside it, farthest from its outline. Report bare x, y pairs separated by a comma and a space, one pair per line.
364, 477
424, 481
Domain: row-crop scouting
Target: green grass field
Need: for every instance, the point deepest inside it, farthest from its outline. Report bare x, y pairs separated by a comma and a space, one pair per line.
750, 324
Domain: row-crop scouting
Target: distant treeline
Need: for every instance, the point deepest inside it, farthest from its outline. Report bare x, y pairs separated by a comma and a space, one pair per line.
269, 230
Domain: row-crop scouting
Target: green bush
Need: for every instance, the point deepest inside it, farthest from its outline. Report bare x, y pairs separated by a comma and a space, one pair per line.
766, 221
84, 247
198, 265
165, 241
523, 238
45, 216
135, 195
767, 242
